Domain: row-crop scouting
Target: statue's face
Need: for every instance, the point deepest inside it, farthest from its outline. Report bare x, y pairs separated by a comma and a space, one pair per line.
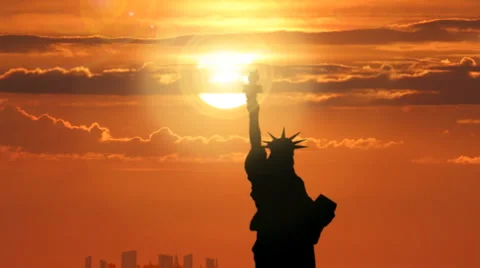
282, 158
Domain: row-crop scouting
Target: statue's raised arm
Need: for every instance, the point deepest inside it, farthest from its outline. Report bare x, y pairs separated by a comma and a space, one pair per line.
251, 91
257, 156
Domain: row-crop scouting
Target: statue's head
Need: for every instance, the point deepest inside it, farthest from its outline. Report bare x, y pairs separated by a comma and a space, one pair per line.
282, 149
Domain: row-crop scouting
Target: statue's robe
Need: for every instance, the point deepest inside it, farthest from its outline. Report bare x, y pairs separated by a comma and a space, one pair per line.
283, 220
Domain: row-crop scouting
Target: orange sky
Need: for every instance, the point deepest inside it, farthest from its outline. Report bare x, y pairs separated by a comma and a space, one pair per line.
100, 151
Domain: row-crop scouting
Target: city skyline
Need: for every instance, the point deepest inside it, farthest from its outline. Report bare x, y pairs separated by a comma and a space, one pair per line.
129, 260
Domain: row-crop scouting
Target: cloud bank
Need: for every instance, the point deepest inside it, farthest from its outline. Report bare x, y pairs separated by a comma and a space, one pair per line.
421, 82
47, 137
441, 30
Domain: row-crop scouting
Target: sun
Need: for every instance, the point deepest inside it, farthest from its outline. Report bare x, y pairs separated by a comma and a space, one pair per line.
224, 100
226, 71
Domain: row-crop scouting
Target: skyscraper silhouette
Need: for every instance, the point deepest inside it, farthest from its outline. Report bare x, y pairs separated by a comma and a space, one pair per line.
165, 261
175, 262
129, 259
88, 262
188, 261
210, 263
150, 265
103, 264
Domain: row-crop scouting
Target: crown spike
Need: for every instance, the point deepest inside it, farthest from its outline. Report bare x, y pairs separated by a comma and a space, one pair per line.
300, 146
283, 133
296, 142
294, 136
273, 137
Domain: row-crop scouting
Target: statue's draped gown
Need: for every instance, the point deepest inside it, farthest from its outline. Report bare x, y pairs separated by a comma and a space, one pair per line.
281, 220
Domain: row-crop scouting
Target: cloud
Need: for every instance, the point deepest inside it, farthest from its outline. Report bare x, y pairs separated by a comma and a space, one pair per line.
467, 61
446, 30
80, 80
97, 104
296, 98
408, 82
38, 44
8, 153
465, 160
49, 138
452, 84
462, 160
303, 72
46, 134
362, 143
468, 121
442, 24
466, 65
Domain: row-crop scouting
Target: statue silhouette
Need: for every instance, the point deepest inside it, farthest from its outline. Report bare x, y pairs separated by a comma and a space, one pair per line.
288, 222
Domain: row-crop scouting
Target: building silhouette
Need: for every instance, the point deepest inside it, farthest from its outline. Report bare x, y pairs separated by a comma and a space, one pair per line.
88, 262
211, 263
129, 259
103, 264
165, 261
188, 261
176, 264
112, 265
150, 265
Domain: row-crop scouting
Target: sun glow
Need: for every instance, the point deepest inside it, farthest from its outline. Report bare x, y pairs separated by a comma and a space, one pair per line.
226, 71
224, 100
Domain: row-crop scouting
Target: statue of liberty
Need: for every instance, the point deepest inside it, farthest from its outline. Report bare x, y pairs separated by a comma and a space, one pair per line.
288, 222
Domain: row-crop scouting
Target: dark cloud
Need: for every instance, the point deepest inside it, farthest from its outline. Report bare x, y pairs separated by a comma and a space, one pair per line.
80, 80
386, 68
318, 69
466, 65
423, 82
452, 84
444, 24
34, 43
453, 30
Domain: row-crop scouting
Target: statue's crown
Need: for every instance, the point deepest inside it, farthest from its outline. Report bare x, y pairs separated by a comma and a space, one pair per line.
283, 143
